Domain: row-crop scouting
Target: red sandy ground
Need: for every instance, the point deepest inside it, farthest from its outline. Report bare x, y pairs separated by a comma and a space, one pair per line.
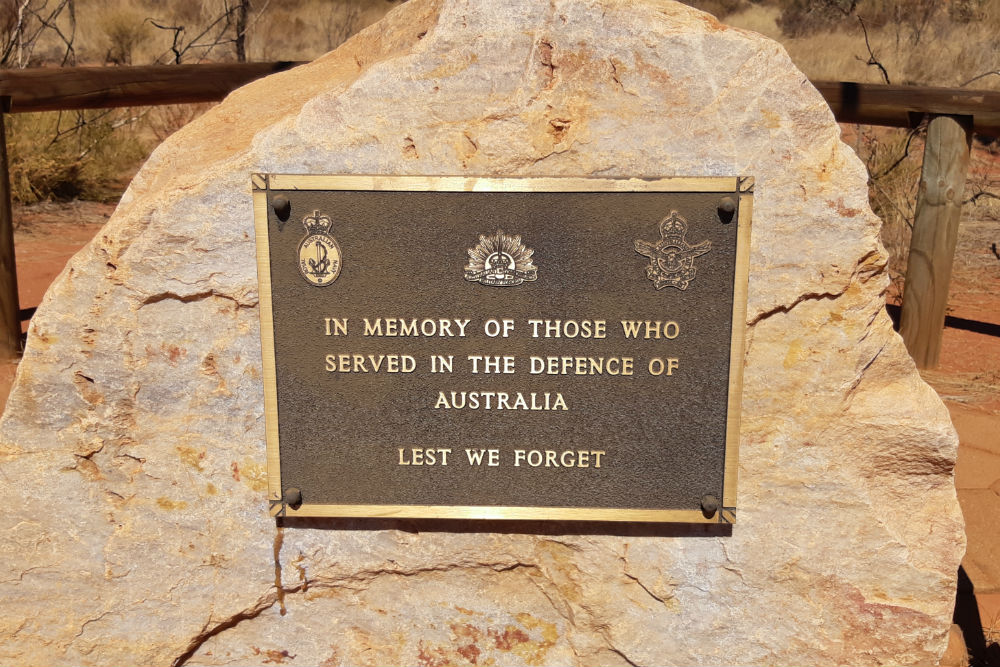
968, 378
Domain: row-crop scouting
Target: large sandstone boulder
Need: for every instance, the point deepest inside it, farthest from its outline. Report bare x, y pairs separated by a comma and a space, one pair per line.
135, 526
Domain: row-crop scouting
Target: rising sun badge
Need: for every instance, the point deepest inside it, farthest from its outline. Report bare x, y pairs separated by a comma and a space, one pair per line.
671, 259
500, 260
319, 254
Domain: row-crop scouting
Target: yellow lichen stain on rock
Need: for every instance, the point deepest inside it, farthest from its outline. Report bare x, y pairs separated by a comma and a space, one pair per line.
88, 469
794, 354
210, 489
560, 569
191, 456
823, 172
168, 504
453, 67
771, 119
659, 75
549, 631
253, 475
42, 341
322, 593
713, 23
853, 290
9, 449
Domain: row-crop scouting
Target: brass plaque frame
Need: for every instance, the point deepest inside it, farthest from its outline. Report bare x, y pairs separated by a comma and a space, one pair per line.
740, 188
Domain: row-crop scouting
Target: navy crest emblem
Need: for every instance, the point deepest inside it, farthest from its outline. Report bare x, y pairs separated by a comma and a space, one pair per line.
319, 254
671, 259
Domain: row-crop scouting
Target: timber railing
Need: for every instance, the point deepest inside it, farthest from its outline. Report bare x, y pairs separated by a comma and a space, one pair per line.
954, 114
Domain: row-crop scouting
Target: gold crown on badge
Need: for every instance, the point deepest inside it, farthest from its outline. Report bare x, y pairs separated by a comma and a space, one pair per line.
317, 224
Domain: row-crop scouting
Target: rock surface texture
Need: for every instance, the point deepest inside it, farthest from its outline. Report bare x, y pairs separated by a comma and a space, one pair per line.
135, 528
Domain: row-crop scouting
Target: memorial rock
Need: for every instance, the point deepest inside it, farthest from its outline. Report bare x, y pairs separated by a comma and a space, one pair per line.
136, 527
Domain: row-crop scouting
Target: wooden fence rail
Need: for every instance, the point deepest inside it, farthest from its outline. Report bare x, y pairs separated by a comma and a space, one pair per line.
945, 159
68, 88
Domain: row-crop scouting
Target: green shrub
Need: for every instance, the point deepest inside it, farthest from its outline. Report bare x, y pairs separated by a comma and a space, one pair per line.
71, 156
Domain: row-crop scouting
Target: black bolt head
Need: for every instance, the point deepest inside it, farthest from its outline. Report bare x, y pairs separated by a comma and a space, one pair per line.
282, 207
727, 207
292, 498
709, 505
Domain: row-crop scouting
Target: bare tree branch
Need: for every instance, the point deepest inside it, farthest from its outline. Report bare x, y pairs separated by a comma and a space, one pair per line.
982, 194
906, 153
872, 58
180, 47
50, 23
174, 48
980, 76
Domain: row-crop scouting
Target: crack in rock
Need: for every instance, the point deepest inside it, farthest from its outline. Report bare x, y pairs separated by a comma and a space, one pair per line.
209, 630
190, 298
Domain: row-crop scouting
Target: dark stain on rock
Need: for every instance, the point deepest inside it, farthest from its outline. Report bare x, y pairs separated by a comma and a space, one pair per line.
410, 149
85, 385
431, 657
470, 652
273, 656
545, 58
509, 638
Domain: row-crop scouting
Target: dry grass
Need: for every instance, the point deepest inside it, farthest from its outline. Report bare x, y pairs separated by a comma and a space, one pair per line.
948, 53
70, 155
49, 160
138, 31
991, 632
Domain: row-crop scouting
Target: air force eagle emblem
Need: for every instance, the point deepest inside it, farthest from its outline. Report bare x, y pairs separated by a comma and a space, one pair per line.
671, 259
319, 254
500, 260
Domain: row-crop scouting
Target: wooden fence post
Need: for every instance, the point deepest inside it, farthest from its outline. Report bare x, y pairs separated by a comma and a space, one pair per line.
10, 313
935, 233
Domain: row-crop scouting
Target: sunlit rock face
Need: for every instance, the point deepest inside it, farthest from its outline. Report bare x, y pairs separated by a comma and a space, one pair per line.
135, 526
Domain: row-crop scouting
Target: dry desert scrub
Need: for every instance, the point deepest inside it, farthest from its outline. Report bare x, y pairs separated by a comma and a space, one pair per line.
923, 42
910, 42
72, 155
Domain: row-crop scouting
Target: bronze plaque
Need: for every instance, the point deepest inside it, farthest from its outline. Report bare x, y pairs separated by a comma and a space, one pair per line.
522, 348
